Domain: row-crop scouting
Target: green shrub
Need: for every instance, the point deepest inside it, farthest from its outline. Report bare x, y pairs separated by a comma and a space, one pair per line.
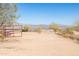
54, 27
38, 29
27, 28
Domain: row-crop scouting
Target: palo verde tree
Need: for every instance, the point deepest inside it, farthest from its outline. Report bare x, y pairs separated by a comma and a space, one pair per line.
7, 16
7, 13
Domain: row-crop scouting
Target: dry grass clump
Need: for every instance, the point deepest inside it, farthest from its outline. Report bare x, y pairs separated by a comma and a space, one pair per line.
2, 36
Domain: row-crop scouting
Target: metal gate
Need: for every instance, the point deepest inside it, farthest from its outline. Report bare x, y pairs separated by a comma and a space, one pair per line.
12, 31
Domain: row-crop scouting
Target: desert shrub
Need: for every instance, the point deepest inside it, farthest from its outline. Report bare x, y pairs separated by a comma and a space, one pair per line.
55, 27
60, 31
26, 28
68, 32
76, 26
38, 29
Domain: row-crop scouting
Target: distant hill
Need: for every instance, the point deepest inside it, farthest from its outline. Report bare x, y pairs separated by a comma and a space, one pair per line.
43, 26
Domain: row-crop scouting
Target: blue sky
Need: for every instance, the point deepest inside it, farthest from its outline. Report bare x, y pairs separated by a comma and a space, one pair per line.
47, 13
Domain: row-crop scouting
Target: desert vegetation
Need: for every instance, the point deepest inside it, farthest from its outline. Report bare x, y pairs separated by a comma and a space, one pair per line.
7, 17
70, 32
26, 28
67, 31
2, 36
39, 29
56, 28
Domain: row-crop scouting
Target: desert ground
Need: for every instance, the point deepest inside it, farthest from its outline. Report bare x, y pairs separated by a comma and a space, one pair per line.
39, 44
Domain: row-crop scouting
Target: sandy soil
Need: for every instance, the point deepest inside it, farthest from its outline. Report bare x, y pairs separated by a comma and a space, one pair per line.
39, 44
